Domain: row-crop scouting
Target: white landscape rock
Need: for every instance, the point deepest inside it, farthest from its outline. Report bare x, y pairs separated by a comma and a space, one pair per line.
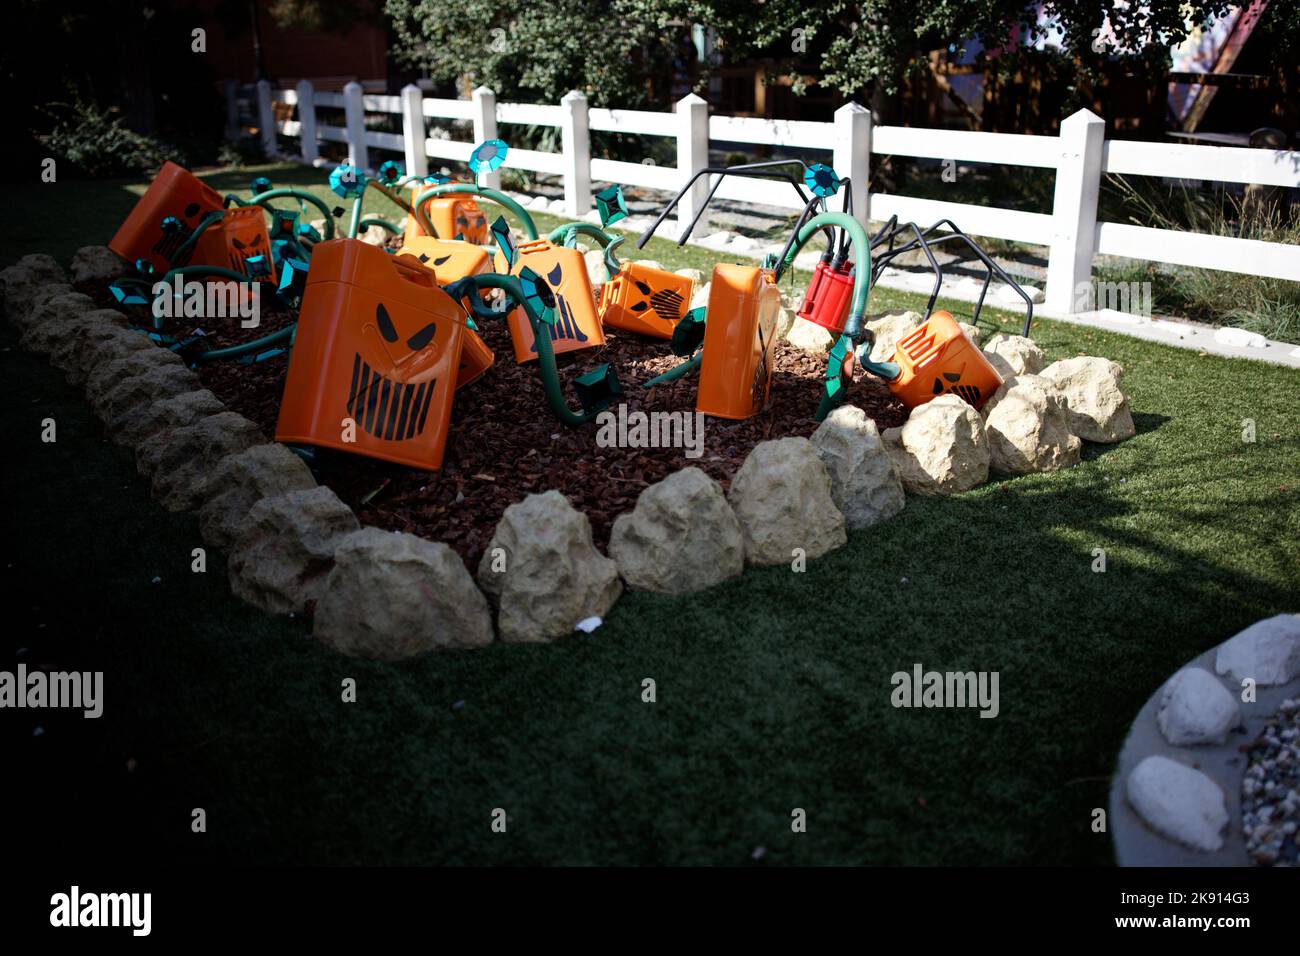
375, 235
1195, 708
140, 422
96, 264
240, 481
543, 571
100, 346
1239, 338
184, 459
43, 338
864, 481
595, 262
109, 375
682, 536
700, 297
65, 353
392, 596
1178, 802
164, 380
889, 328
1267, 652
809, 337
21, 281
1028, 427
1012, 355
284, 549
782, 496
695, 275
942, 449
53, 309
972, 332
1099, 408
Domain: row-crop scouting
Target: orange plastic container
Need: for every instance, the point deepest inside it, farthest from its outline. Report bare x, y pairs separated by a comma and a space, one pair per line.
241, 235
645, 300
451, 215
174, 192
577, 325
449, 260
376, 358
938, 358
739, 336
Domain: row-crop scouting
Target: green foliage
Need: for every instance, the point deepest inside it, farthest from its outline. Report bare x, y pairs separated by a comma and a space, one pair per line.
1260, 304
96, 144
237, 154
545, 50
616, 52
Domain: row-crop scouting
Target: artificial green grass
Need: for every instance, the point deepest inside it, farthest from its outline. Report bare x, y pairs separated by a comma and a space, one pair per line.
773, 688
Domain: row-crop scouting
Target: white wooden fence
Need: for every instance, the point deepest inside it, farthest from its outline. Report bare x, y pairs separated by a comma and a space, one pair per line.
1080, 155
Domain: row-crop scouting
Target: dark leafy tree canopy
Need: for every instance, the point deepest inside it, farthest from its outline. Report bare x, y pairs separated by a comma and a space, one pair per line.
856, 45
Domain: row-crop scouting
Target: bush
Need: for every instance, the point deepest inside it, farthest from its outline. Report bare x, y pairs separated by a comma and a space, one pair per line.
96, 143
245, 151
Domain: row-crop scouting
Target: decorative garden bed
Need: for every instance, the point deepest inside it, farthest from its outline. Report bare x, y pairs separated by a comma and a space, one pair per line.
520, 495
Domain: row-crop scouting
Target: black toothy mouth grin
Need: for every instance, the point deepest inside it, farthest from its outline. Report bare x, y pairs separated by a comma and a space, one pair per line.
382, 408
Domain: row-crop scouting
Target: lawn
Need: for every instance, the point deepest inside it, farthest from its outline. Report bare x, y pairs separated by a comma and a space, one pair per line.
773, 688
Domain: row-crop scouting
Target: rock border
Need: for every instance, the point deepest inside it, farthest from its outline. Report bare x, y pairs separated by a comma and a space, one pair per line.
182, 434
1135, 841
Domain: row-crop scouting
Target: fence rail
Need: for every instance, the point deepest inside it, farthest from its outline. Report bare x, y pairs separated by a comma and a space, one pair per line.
1080, 155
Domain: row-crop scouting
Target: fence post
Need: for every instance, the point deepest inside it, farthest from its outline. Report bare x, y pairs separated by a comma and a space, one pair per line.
485, 128
266, 118
417, 160
1074, 212
692, 156
354, 109
852, 156
307, 121
576, 137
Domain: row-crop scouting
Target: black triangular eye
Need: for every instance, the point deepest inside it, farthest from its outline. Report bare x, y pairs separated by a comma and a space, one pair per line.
236, 243
386, 328
553, 277
191, 210
938, 386
462, 221
952, 376
423, 257
645, 289
440, 260
422, 338
640, 306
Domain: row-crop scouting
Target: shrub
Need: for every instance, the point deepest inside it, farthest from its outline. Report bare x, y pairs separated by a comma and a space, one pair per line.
245, 151
96, 143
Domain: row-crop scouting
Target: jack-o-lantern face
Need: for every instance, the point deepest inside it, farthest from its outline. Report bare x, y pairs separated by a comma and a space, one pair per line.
453, 216
564, 287
239, 242
471, 224
645, 300
449, 259
393, 383
166, 215
376, 357
937, 358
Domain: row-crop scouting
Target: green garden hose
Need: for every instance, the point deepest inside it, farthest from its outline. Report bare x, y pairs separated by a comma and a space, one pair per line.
469, 286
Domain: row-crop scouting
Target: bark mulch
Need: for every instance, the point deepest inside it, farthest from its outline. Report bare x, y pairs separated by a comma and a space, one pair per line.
504, 442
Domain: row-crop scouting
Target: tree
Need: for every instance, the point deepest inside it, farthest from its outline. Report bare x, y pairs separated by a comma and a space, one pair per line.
620, 53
